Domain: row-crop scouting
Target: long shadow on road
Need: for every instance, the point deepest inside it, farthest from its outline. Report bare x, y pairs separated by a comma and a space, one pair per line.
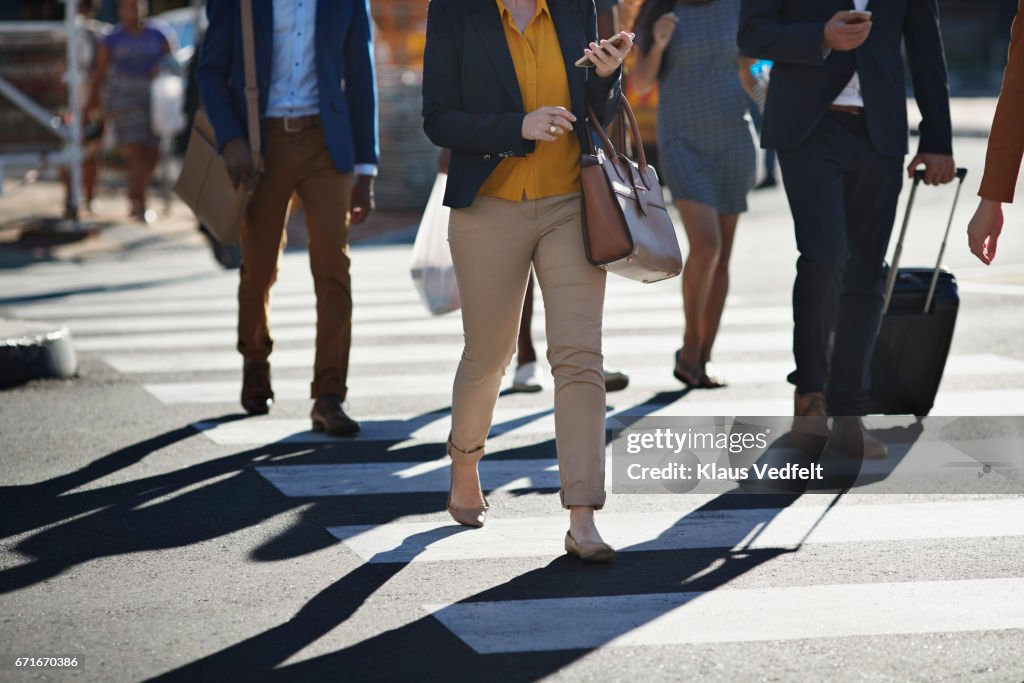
223, 495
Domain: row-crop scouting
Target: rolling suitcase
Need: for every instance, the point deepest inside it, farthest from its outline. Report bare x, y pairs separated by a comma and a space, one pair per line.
918, 318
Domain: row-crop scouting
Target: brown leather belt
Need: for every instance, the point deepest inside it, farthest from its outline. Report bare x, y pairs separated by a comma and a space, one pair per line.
294, 124
846, 109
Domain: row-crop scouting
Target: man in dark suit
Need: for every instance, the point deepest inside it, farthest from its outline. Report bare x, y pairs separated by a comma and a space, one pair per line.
317, 105
836, 113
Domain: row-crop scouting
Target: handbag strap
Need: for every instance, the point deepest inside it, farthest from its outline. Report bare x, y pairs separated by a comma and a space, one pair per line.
252, 91
626, 113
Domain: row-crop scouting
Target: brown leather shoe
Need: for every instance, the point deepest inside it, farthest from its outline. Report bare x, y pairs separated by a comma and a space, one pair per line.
257, 395
849, 437
810, 422
328, 416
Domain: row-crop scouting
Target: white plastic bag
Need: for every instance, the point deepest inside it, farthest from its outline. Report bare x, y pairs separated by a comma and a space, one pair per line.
431, 267
167, 105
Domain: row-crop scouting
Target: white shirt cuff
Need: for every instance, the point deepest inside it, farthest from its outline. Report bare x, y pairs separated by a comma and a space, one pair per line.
366, 169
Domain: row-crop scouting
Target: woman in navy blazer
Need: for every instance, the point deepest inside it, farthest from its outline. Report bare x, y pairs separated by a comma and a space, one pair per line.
471, 101
501, 90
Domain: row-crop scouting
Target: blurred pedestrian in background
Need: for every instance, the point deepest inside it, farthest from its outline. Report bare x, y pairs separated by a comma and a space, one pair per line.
129, 60
526, 377
318, 109
511, 107
1005, 149
836, 112
89, 40
706, 152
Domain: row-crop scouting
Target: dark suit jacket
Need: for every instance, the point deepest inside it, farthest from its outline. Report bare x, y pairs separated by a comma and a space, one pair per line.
804, 82
471, 98
1006, 144
344, 66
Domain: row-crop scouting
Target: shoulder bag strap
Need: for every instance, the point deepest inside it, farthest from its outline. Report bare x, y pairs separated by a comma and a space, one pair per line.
252, 91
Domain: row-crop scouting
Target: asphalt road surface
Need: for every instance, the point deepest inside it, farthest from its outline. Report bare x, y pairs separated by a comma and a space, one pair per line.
151, 529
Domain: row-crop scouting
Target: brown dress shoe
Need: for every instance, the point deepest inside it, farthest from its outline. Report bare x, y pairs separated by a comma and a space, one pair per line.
810, 422
329, 417
849, 437
257, 395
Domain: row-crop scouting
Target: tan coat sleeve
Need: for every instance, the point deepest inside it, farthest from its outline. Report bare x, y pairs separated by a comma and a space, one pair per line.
1006, 143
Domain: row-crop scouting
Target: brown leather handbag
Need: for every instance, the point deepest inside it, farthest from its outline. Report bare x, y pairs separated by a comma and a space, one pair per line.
626, 226
204, 184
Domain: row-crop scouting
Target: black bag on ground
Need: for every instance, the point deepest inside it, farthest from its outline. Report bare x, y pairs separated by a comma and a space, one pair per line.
918, 319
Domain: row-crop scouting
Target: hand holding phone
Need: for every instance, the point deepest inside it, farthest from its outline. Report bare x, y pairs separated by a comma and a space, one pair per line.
847, 30
857, 16
621, 44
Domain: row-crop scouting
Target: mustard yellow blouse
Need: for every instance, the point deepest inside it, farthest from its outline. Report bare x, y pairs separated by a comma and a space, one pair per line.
554, 167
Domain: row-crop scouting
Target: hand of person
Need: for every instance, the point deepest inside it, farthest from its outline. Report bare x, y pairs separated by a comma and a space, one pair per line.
939, 169
664, 28
606, 57
239, 162
443, 160
984, 230
547, 123
362, 199
844, 37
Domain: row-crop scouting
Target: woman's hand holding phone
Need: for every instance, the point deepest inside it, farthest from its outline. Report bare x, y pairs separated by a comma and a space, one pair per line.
607, 55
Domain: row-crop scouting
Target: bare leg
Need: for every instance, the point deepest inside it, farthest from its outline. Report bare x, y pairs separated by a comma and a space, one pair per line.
719, 287
703, 232
135, 155
150, 157
90, 176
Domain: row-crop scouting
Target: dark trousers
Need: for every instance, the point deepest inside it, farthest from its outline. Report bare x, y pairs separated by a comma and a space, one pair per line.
299, 162
843, 197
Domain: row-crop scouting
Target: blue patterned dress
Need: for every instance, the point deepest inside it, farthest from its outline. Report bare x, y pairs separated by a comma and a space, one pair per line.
706, 149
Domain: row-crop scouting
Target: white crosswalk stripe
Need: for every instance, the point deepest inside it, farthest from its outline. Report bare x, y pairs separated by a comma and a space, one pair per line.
737, 615
750, 529
176, 336
439, 383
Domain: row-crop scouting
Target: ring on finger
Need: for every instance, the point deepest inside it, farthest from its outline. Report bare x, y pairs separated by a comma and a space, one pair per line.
552, 129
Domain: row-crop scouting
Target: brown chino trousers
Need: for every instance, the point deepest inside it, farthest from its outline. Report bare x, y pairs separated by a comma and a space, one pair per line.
493, 242
300, 162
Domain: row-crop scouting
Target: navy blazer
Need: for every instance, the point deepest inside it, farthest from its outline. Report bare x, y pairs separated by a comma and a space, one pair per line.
344, 66
471, 98
804, 82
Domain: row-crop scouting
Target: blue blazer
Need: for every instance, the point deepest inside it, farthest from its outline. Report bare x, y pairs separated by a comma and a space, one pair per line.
344, 66
471, 98
804, 82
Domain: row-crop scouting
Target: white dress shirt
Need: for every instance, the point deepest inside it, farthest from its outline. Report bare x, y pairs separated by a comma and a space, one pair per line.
851, 95
294, 91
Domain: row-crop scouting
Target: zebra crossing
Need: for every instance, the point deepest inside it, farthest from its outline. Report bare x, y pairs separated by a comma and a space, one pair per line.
175, 338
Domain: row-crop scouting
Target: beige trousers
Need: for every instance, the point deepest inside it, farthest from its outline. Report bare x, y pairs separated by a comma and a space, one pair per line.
493, 243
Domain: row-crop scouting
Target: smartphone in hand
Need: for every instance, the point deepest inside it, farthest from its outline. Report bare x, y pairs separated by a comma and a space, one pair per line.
857, 16
615, 41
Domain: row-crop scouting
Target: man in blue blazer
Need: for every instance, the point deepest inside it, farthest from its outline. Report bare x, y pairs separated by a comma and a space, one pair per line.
318, 115
836, 112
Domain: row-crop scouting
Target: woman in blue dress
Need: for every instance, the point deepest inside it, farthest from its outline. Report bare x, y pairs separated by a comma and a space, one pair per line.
706, 151
126, 65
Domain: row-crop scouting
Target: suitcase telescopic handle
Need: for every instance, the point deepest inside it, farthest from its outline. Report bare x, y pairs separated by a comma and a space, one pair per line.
890, 283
